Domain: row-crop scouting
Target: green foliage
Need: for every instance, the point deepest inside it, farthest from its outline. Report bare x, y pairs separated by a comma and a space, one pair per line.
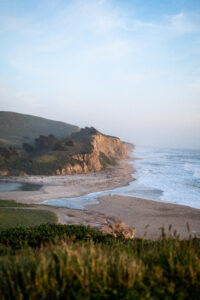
10, 217
19, 128
105, 160
45, 141
77, 262
8, 153
11, 203
48, 154
6, 143
28, 148
69, 143
36, 236
39, 165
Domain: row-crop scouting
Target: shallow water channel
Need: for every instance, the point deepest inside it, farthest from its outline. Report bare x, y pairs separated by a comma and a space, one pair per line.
15, 186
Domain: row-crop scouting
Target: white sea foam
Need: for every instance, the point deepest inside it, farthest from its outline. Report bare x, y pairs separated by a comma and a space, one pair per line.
164, 175
174, 171
197, 173
187, 167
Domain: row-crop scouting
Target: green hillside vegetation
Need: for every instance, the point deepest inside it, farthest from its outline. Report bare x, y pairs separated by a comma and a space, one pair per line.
37, 146
76, 262
16, 129
106, 161
19, 214
7, 143
48, 154
11, 203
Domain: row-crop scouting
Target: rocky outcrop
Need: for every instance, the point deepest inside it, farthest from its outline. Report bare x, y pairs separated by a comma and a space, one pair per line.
4, 172
84, 151
119, 229
69, 169
105, 151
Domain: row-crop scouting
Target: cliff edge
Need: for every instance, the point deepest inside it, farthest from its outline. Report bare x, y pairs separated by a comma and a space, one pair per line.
84, 151
105, 150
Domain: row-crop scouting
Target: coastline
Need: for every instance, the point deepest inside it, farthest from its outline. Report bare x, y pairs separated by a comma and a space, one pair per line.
136, 212
71, 185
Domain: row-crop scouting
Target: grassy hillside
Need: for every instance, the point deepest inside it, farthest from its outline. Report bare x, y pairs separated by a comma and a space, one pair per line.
45, 155
76, 262
19, 214
15, 128
48, 155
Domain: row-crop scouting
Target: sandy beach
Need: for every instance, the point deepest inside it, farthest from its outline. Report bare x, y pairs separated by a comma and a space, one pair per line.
133, 211
71, 185
142, 213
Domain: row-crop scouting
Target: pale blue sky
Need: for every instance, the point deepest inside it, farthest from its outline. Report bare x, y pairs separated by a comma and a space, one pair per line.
128, 68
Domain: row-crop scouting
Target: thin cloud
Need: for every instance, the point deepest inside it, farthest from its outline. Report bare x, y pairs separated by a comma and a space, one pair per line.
76, 56
178, 24
181, 24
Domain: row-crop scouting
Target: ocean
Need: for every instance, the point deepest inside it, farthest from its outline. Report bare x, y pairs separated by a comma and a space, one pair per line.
164, 175
174, 172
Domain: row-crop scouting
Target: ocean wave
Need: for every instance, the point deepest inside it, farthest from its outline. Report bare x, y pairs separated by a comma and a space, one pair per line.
177, 174
165, 175
197, 173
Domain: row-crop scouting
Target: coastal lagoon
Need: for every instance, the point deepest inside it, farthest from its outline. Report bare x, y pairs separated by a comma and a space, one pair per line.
14, 186
164, 175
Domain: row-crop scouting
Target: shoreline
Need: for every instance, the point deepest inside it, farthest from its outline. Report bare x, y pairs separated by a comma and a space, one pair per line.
150, 216
134, 211
70, 186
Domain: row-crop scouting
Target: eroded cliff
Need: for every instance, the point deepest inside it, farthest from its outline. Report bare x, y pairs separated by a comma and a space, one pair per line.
105, 151
82, 152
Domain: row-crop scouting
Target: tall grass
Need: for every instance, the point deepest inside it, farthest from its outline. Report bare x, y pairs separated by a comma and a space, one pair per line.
103, 268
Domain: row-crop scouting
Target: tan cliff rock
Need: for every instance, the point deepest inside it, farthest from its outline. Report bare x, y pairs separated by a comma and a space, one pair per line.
4, 172
84, 151
104, 148
119, 229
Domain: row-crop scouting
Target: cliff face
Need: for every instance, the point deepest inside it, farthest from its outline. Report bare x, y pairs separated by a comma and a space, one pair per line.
106, 150
84, 151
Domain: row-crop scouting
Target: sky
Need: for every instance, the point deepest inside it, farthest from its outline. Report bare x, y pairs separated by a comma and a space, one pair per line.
129, 68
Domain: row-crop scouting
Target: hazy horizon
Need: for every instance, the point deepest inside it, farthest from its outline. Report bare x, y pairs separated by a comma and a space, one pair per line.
128, 68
